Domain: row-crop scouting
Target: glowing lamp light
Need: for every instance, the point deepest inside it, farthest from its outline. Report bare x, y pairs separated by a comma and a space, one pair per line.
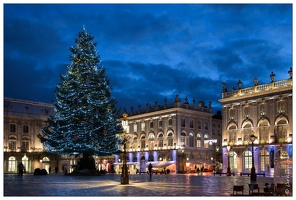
253, 137
228, 147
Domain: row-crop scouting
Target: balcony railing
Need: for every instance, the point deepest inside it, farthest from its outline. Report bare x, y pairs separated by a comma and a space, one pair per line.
282, 84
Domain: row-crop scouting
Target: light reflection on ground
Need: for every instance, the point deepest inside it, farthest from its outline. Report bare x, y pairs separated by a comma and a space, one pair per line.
139, 185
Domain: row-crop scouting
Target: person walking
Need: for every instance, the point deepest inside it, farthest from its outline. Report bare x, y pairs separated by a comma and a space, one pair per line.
21, 169
150, 170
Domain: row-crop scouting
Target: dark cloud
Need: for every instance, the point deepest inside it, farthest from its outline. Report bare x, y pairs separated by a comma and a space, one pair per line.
150, 51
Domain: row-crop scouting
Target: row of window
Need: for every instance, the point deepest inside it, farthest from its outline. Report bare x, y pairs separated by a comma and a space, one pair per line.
13, 128
12, 145
170, 143
264, 129
170, 124
161, 157
264, 159
263, 109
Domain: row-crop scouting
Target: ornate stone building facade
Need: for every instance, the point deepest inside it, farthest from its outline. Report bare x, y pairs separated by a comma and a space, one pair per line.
178, 136
264, 110
22, 122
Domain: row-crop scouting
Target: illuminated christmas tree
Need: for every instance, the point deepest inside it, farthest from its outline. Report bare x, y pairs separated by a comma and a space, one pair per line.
85, 114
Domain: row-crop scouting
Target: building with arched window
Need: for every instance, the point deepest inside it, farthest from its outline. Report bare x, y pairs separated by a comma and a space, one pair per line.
177, 136
263, 110
22, 122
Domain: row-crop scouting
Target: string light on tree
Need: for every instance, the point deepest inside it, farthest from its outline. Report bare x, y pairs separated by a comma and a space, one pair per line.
85, 114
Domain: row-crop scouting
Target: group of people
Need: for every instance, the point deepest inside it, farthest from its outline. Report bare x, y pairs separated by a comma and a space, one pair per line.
22, 169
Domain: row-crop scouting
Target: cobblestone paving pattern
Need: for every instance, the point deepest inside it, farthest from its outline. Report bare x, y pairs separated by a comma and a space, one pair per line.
139, 185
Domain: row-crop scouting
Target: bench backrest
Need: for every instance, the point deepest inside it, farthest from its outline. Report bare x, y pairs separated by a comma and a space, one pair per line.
238, 188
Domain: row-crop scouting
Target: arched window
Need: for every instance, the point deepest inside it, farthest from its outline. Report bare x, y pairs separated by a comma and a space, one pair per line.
25, 143
142, 158
264, 160
160, 140
247, 132
182, 138
12, 142
198, 140
206, 142
143, 142
170, 139
151, 141
25, 161
135, 159
151, 157
12, 164
281, 130
135, 141
45, 159
247, 160
282, 167
263, 132
232, 134
233, 160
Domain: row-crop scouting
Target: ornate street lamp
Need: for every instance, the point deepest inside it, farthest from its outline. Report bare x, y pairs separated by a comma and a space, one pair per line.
253, 170
183, 168
124, 174
217, 153
228, 153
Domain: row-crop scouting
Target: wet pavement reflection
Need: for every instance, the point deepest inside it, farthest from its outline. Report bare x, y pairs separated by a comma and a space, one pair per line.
139, 185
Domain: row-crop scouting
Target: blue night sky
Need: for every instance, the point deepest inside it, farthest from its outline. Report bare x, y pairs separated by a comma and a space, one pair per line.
149, 51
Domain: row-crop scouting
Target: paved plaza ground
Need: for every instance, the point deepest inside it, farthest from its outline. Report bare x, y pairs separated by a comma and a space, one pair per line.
188, 185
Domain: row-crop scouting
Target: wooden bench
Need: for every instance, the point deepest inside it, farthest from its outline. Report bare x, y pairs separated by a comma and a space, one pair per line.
223, 173
249, 174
